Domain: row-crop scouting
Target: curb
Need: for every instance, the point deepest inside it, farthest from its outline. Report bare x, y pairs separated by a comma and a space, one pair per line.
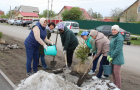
8, 80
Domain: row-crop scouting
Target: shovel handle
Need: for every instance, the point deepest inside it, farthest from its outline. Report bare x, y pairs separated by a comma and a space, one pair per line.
66, 60
88, 68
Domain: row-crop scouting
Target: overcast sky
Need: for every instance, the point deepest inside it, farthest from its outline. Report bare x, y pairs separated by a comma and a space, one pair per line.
102, 6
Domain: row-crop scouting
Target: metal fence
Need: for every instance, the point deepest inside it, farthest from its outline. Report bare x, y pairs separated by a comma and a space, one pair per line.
133, 28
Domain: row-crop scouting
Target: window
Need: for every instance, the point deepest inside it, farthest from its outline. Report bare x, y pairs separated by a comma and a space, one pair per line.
100, 28
75, 24
138, 10
107, 28
67, 24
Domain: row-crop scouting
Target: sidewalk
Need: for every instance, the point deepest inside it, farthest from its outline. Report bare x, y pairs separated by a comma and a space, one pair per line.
5, 82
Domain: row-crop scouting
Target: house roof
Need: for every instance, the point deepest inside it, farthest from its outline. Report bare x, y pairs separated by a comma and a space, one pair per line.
1, 12
129, 7
16, 8
23, 8
87, 16
28, 14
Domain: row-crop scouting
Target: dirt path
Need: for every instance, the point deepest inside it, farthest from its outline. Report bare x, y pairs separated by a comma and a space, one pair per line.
13, 64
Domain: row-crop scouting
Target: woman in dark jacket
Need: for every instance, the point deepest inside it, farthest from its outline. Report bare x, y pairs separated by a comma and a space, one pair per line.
115, 54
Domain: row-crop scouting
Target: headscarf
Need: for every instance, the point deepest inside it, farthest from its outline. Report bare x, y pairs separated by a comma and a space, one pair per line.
42, 20
93, 33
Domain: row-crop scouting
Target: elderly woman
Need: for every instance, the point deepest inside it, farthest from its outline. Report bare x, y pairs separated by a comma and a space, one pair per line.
102, 45
91, 45
115, 55
36, 37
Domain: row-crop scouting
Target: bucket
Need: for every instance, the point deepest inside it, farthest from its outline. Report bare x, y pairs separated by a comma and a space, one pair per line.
51, 50
128, 43
107, 69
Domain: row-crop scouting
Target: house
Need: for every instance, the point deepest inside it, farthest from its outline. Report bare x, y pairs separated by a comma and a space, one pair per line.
86, 15
26, 16
1, 12
108, 19
26, 13
29, 9
132, 13
15, 10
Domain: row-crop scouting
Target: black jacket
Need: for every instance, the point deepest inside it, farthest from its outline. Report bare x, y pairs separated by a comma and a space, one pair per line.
68, 39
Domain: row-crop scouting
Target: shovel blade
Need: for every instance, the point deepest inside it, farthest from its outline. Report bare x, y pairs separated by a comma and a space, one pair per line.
81, 80
53, 63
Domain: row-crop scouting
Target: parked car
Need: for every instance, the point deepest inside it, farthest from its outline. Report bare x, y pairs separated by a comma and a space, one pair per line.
106, 30
2, 20
34, 20
74, 26
26, 23
11, 22
18, 22
31, 25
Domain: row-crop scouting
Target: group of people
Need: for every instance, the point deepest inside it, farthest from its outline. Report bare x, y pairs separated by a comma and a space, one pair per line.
111, 51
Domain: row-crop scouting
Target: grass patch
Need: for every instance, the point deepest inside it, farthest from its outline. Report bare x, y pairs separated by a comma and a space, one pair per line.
1, 35
135, 42
80, 32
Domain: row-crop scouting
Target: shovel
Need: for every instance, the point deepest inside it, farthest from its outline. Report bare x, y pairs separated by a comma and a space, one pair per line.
61, 70
53, 63
81, 79
66, 69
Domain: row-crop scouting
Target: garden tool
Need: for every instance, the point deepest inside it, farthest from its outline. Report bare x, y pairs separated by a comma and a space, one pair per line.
81, 79
53, 63
66, 69
61, 70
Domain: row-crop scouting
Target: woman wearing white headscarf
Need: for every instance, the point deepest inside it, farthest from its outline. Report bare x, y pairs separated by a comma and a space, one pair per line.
37, 37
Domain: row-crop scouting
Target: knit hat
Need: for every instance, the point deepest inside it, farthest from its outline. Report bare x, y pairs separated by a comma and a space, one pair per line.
93, 33
61, 26
42, 20
116, 27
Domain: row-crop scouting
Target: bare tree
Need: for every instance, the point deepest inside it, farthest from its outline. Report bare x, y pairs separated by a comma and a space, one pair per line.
115, 14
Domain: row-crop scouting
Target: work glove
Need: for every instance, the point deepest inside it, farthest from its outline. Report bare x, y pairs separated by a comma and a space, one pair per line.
110, 60
52, 43
45, 47
89, 54
108, 56
64, 52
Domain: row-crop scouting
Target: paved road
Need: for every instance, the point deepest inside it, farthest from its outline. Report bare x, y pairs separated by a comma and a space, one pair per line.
131, 53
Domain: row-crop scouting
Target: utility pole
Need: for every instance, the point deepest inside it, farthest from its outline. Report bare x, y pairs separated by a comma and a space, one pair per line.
10, 13
48, 11
51, 10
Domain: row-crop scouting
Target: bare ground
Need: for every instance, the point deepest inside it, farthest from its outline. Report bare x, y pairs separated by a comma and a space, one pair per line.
13, 64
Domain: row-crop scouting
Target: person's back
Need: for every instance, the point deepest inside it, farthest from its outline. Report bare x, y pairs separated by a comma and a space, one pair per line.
102, 43
69, 39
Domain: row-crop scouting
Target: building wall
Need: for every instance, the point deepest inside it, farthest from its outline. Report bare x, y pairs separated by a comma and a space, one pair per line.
130, 15
20, 17
138, 19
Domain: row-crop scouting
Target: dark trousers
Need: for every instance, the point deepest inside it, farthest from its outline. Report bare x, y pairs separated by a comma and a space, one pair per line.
103, 62
95, 62
32, 54
69, 57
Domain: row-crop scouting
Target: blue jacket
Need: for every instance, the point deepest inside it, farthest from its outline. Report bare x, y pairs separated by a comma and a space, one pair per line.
116, 49
30, 41
91, 44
